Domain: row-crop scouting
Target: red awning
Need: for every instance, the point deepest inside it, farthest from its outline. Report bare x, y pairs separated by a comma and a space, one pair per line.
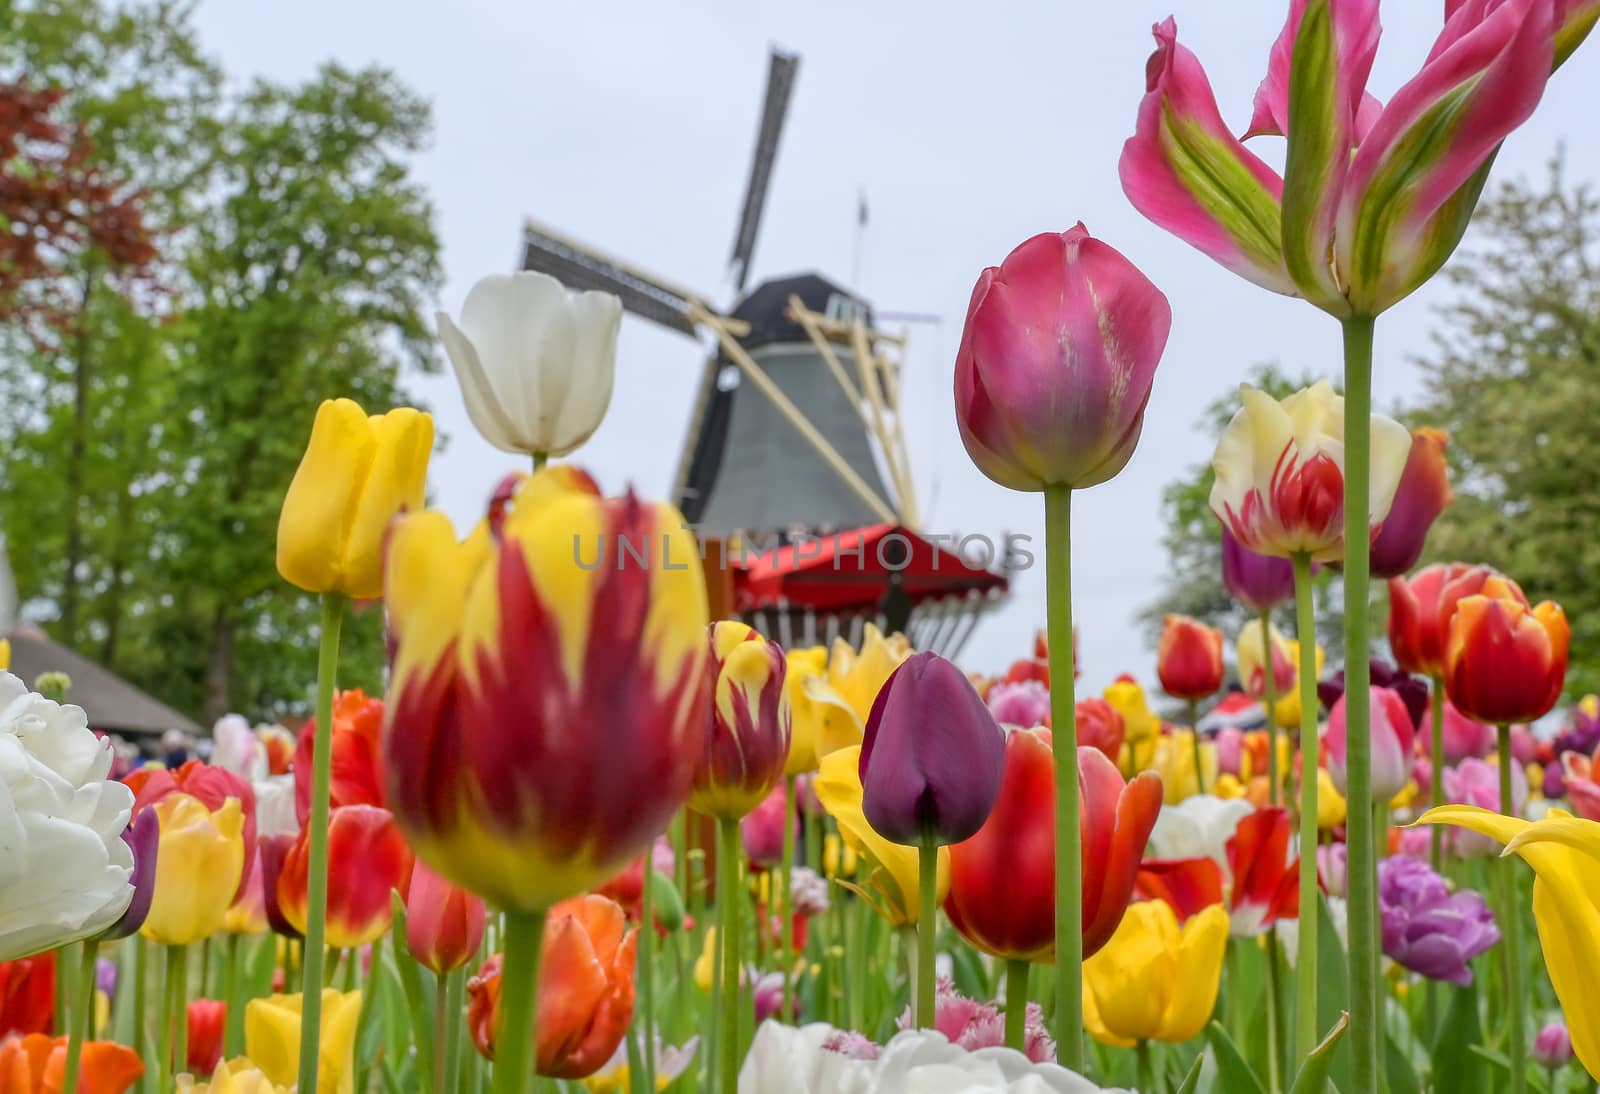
852, 570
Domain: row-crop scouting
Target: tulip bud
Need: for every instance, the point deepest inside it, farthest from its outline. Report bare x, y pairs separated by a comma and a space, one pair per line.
1025, 704
1463, 737
762, 830
1423, 493
932, 757
1056, 362
207, 1019
274, 851
805, 732
1251, 657
1392, 740
1189, 658
1259, 582
750, 719
1333, 867
356, 741
444, 923
534, 361
272, 1030
1505, 662
367, 858
1101, 726
357, 473
1552, 1046
198, 868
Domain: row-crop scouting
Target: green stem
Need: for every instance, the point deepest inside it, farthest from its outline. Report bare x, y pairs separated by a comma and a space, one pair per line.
540, 459
1363, 866
82, 1028
1274, 1015
644, 1017
1236, 997
1511, 928
1146, 1073
1194, 729
453, 1025
1016, 1003
233, 1030
1436, 780
728, 903
927, 926
1063, 719
61, 1017
141, 972
317, 867
785, 912
1305, 965
176, 1058
441, 1022
1269, 698
516, 1040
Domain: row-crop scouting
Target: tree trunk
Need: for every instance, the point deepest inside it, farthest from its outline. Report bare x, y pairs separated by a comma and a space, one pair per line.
219, 668
119, 579
77, 456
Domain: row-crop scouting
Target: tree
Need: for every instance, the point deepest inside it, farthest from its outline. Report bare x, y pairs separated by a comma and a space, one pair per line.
1515, 378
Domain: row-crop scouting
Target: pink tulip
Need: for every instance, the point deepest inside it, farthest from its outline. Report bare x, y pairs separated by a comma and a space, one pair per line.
1524, 745
1025, 704
1392, 740
1574, 20
1374, 198
1056, 361
1230, 751
761, 830
1476, 782
1463, 737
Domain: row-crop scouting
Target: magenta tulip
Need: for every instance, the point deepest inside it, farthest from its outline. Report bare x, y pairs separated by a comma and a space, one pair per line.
1423, 493
1393, 737
1056, 361
932, 757
1259, 582
1463, 737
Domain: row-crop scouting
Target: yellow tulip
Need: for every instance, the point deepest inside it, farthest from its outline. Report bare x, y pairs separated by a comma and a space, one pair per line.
272, 1038
356, 474
892, 883
5, 654
1229, 786
1287, 710
1139, 722
705, 965
1331, 806
803, 665
1173, 760
233, 1077
842, 699
1155, 981
838, 858
197, 869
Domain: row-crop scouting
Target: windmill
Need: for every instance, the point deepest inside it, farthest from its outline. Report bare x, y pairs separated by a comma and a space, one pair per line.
794, 466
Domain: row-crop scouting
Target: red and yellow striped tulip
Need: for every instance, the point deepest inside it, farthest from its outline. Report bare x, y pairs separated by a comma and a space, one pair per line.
547, 707
748, 743
367, 859
1505, 662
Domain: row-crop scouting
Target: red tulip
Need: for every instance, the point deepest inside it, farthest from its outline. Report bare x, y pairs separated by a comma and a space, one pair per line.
357, 739
1188, 885
586, 989
1266, 882
208, 1020
27, 995
1056, 361
1578, 773
1423, 493
274, 852
1416, 628
1189, 658
1474, 581
1101, 726
444, 923
211, 786
367, 857
1002, 880
749, 721
1505, 662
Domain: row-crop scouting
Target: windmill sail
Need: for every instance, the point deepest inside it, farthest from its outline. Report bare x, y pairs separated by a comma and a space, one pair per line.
781, 72
581, 268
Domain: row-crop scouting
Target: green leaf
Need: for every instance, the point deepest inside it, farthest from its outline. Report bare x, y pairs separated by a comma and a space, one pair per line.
1454, 1067
1399, 1070
1313, 1077
1192, 1079
1332, 993
1233, 1074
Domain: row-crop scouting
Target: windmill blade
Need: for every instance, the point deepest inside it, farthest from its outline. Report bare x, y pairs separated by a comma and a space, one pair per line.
780, 85
581, 268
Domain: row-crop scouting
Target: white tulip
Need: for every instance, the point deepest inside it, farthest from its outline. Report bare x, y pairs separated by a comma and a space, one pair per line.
1198, 826
787, 1060
65, 872
235, 746
535, 362
276, 814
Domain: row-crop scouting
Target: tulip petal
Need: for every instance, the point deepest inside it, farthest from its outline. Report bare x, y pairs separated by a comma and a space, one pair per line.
1203, 940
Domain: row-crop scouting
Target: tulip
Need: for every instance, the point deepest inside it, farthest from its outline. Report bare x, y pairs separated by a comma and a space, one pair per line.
207, 1018
1180, 772
235, 1077
1189, 658
274, 853
748, 743
1155, 980
544, 719
248, 913
357, 473
1332, 809
1141, 726
1056, 362
671, 1062
272, 1029
1552, 1045
1413, 691
1188, 885
762, 831
68, 871
1027, 704
1259, 582
892, 884
276, 811
843, 698
236, 748
1201, 825
534, 361
356, 767
444, 923
1250, 655
1232, 756
1463, 737
36, 1064
1100, 726
1264, 879
1333, 867
1426, 927
279, 745
1476, 782
1423, 493
586, 989
208, 784
1416, 628
1505, 662
800, 668
367, 859
1280, 472
1393, 738
27, 995
143, 838
198, 869
1578, 781
626, 887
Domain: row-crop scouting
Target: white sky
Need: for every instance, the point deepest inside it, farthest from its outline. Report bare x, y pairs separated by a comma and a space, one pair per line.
630, 126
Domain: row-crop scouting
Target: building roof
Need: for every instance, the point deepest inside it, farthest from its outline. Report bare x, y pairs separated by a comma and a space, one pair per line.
113, 704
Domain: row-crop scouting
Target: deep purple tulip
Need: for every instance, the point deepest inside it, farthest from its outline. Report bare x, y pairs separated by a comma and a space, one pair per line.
932, 757
274, 849
1427, 928
1413, 690
1259, 582
143, 838
1423, 493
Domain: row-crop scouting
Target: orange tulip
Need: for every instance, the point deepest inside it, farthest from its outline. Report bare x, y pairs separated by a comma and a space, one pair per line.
367, 857
1189, 658
585, 989
1505, 662
36, 1064
1100, 725
357, 774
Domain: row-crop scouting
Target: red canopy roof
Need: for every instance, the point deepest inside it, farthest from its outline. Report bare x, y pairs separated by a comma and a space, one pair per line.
852, 570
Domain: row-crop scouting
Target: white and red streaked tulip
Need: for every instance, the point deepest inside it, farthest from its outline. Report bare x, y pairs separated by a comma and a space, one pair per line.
547, 708
1056, 361
1280, 472
1373, 198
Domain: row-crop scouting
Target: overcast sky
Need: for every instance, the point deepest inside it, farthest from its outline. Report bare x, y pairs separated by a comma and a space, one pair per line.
630, 126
